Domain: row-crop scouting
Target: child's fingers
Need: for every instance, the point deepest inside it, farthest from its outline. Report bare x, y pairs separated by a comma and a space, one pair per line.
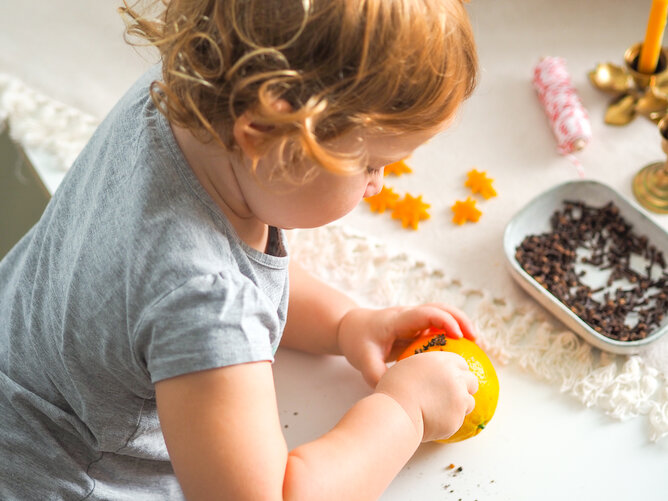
450, 326
471, 382
465, 323
411, 321
470, 405
373, 368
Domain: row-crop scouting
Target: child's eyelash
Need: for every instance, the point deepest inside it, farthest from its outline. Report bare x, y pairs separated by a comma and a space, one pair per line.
374, 170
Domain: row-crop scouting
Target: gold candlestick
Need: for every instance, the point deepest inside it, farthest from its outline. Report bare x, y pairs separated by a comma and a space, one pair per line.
650, 185
635, 92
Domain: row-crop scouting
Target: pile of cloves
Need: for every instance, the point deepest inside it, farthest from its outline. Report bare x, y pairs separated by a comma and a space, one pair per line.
632, 303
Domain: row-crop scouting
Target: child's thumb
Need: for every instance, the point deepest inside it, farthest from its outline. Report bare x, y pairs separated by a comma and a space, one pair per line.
374, 368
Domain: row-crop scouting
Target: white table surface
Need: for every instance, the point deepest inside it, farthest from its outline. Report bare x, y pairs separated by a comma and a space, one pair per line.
541, 444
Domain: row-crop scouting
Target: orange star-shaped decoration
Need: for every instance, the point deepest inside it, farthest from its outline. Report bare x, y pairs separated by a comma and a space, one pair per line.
386, 199
397, 168
480, 183
465, 211
410, 211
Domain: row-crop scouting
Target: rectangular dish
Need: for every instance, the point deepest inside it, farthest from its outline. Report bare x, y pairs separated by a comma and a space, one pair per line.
534, 219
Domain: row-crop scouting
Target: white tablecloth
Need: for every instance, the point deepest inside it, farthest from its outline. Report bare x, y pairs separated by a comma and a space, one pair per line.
542, 444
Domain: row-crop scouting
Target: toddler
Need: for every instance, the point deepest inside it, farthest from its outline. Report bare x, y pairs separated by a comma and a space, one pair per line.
140, 316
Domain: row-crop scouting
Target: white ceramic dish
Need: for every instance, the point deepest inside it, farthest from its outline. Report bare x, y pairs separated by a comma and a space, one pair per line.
534, 219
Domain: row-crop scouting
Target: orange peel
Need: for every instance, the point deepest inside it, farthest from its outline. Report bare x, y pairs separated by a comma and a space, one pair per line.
411, 210
465, 211
480, 183
397, 168
385, 199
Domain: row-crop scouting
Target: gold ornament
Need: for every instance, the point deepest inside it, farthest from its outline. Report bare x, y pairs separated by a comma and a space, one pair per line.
635, 92
650, 185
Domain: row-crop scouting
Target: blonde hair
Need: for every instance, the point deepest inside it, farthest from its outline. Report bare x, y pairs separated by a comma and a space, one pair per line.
390, 65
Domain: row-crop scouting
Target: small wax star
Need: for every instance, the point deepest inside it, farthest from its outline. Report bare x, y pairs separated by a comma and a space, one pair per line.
480, 183
386, 199
410, 211
465, 211
397, 168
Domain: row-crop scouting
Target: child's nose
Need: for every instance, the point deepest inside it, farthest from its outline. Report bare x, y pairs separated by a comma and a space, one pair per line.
373, 188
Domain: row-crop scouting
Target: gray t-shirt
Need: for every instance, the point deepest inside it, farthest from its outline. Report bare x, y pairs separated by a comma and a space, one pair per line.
131, 276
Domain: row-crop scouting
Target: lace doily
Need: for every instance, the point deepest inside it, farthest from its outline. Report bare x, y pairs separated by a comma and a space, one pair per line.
42, 124
624, 387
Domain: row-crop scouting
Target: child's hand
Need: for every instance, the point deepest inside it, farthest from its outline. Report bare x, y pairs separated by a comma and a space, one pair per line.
370, 338
435, 391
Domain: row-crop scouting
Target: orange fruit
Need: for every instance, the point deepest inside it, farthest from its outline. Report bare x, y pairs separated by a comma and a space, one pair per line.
487, 395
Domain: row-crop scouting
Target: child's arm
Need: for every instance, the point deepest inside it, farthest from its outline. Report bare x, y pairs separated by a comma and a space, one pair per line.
224, 437
313, 321
322, 319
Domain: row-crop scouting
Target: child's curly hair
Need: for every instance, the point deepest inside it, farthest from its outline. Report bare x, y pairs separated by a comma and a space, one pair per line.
390, 65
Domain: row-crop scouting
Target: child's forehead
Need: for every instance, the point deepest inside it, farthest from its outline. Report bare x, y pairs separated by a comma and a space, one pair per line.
379, 146
391, 145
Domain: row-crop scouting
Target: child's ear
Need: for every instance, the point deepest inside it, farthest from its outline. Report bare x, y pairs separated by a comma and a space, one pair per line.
250, 135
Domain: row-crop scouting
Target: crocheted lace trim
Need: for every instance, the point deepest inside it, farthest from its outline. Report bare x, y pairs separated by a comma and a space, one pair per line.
42, 124
624, 387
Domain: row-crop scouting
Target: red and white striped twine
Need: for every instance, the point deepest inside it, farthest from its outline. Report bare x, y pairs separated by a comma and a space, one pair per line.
568, 117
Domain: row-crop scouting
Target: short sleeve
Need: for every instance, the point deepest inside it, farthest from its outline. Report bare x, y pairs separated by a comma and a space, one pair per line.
210, 321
